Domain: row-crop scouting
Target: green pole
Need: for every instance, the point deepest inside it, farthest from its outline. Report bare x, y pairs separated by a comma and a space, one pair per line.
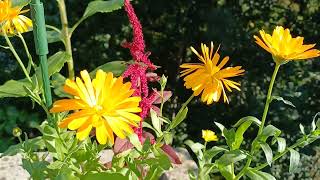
41, 44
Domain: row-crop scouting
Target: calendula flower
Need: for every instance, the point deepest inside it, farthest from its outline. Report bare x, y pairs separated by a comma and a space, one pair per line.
284, 47
105, 103
11, 19
209, 135
210, 77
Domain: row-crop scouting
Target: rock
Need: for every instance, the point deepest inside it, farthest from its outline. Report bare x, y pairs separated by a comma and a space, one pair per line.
181, 171
11, 168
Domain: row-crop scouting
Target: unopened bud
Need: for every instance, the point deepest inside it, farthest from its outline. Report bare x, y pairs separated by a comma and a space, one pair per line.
16, 132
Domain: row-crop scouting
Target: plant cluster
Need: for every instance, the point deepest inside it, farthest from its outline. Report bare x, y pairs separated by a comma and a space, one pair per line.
119, 106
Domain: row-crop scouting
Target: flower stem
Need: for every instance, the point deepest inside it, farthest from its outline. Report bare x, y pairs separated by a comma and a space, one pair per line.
184, 105
268, 100
264, 116
66, 36
16, 55
27, 50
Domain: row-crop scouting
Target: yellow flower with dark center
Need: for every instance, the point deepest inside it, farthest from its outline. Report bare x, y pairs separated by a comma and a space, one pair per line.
105, 103
284, 47
209, 76
11, 19
209, 135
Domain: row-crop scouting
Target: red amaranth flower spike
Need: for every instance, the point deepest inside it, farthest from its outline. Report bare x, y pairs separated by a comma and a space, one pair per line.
138, 72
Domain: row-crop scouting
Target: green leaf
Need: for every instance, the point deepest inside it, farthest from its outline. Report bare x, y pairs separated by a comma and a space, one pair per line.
228, 134
315, 122
259, 175
231, 157
116, 67
53, 36
281, 144
267, 152
57, 83
156, 122
168, 137
16, 88
278, 98
244, 124
134, 139
182, 114
294, 160
226, 171
34, 144
104, 176
13, 88
302, 129
195, 147
269, 131
102, 7
210, 153
20, 3
248, 118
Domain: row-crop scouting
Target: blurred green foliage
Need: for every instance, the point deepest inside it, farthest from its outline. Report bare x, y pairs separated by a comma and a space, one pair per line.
170, 28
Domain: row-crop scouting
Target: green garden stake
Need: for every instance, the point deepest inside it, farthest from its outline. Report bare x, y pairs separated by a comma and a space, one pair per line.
41, 44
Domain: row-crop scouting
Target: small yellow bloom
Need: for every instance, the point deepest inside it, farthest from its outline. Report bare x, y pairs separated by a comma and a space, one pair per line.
11, 19
284, 47
209, 76
209, 135
105, 103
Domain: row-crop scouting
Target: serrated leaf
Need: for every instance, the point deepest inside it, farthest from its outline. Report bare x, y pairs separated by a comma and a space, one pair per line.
102, 7
278, 98
116, 67
259, 175
294, 160
267, 152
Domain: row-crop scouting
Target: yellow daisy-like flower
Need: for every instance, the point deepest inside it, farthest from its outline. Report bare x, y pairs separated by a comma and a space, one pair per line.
209, 76
11, 19
209, 135
284, 47
105, 103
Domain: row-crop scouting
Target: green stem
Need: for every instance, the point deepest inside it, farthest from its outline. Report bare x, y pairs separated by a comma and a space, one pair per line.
161, 105
27, 50
263, 120
268, 100
16, 55
66, 36
184, 105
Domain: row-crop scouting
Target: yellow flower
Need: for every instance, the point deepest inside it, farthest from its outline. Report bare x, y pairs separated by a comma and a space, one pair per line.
209, 135
105, 103
284, 47
11, 19
209, 76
